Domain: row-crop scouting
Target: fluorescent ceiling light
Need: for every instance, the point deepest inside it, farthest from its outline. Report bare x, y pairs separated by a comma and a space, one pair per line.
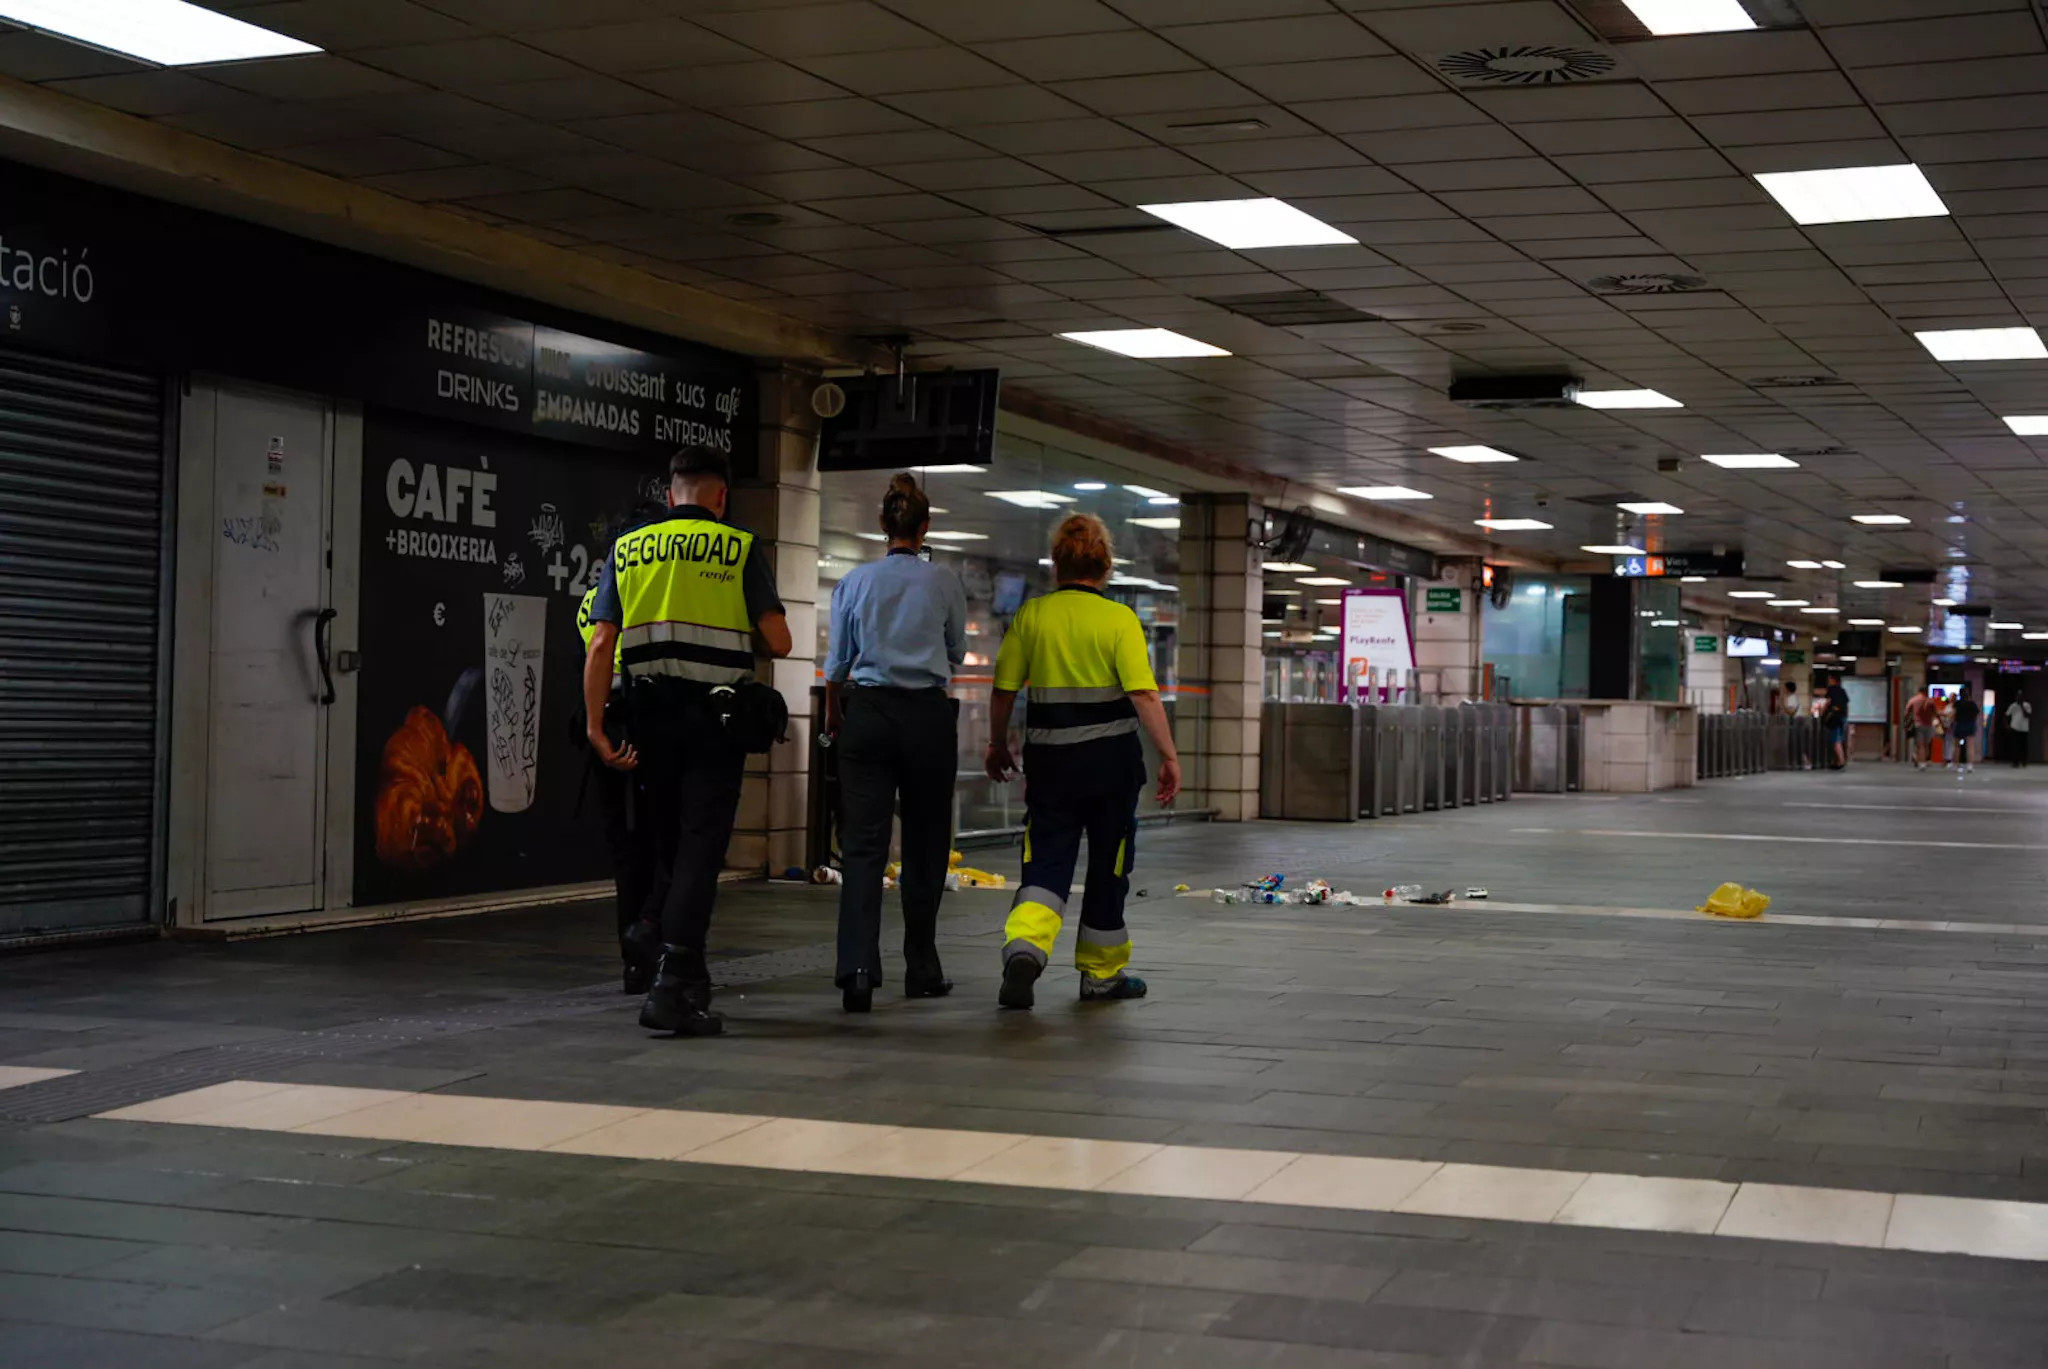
1331, 603
1162, 524
1325, 581
1880, 520
1944, 603
1654, 506
1804, 565
169, 33
2007, 627
1287, 567
1667, 17
1771, 660
1090, 486
1866, 622
1618, 549
1880, 584
1692, 579
1282, 593
956, 537
1790, 603
1031, 499
1854, 194
1163, 499
1146, 343
1248, 224
1512, 524
1833, 565
2028, 425
1627, 399
1752, 461
949, 470
1906, 629
1473, 456
1147, 492
882, 537
2034, 636
1984, 344
1665, 622
1820, 608
1751, 594
1383, 492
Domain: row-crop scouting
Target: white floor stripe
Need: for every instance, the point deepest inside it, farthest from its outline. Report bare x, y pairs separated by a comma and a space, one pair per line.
1974, 1226
14, 1076
1773, 837
1917, 808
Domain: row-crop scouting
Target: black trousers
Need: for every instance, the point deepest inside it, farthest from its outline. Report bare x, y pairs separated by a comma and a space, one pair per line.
896, 746
629, 835
691, 777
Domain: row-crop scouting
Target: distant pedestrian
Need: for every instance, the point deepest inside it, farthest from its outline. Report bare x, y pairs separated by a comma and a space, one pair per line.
1834, 721
1923, 710
1968, 714
2019, 722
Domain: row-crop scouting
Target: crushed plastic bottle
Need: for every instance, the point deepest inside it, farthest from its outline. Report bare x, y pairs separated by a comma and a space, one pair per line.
1404, 893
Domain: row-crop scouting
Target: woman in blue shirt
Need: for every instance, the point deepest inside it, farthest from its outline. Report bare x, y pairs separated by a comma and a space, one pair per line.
899, 627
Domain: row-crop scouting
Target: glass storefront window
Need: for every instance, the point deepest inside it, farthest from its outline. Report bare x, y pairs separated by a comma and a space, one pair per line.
1540, 639
993, 526
1301, 621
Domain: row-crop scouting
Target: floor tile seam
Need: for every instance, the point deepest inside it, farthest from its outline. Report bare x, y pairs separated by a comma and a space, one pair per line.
2028, 1239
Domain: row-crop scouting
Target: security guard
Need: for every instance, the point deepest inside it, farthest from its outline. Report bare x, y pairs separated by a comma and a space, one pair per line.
1085, 660
683, 601
636, 882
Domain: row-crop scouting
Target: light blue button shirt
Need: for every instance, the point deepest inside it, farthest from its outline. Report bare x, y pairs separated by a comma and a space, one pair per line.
899, 622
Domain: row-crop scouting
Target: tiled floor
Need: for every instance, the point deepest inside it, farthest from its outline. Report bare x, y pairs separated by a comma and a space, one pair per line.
1494, 1134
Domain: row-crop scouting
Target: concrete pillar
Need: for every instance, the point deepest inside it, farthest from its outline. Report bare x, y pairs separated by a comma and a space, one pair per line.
1449, 642
1222, 656
779, 503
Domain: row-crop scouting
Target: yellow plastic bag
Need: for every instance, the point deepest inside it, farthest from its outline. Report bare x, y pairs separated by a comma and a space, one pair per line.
1732, 900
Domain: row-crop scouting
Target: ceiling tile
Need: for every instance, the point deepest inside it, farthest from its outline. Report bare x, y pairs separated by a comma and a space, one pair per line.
972, 23
461, 64
643, 45
902, 72
1452, 28
1083, 57
734, 85
1188, 90
818, 30
1302, 38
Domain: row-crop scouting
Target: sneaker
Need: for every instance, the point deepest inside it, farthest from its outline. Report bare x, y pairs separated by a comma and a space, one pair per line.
1020, 972
1101, 991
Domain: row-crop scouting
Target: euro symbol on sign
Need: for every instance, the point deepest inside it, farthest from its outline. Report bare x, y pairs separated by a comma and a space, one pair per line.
440, 615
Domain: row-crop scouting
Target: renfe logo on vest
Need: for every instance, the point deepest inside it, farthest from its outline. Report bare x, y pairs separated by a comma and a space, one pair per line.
703, 547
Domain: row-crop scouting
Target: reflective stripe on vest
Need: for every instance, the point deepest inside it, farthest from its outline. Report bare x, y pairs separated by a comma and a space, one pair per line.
1065, 717
684, 601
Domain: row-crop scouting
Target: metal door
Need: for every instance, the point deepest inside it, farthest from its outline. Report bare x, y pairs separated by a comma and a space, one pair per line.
269, 684
81, 600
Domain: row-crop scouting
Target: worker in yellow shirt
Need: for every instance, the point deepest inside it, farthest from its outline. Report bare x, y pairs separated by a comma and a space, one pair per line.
1084, 659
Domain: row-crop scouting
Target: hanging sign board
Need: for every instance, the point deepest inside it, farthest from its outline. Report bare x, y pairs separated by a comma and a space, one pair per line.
1376, 638
1441, 599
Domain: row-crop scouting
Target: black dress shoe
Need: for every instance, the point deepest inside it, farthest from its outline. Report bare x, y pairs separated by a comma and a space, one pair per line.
679, 1003
640, 945
857, 992
923, 978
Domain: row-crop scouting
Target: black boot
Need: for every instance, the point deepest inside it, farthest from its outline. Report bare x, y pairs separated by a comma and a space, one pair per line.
680, 1001
922, 975
857, 992
640, 945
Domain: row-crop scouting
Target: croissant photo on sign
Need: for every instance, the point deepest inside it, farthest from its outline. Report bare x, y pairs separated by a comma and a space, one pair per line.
430, 797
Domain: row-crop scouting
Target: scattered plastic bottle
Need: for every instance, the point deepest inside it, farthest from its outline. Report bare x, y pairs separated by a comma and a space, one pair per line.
1403, 893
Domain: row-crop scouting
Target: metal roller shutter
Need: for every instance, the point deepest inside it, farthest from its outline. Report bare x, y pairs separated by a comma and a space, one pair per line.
81, 548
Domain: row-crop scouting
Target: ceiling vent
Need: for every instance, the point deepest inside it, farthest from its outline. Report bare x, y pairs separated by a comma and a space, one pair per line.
1648, 283
1813, 451
1527, 64
1105, 230
1796, 382
1292, 309
1515, 392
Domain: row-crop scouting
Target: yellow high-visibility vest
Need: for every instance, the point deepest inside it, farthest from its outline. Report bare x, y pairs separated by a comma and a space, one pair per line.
1081, 655
683, 601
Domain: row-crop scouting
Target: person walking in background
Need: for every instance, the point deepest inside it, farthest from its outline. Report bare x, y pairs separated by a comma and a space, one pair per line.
1085, 660
2019, 722
637, 880
1963, 732
899, 629
1834, 720
1922, 711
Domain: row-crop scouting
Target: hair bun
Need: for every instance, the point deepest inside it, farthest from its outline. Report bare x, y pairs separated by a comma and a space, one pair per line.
905, 507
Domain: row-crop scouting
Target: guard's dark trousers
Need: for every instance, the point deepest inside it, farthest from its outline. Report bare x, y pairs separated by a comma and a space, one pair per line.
896, 746
692, 791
